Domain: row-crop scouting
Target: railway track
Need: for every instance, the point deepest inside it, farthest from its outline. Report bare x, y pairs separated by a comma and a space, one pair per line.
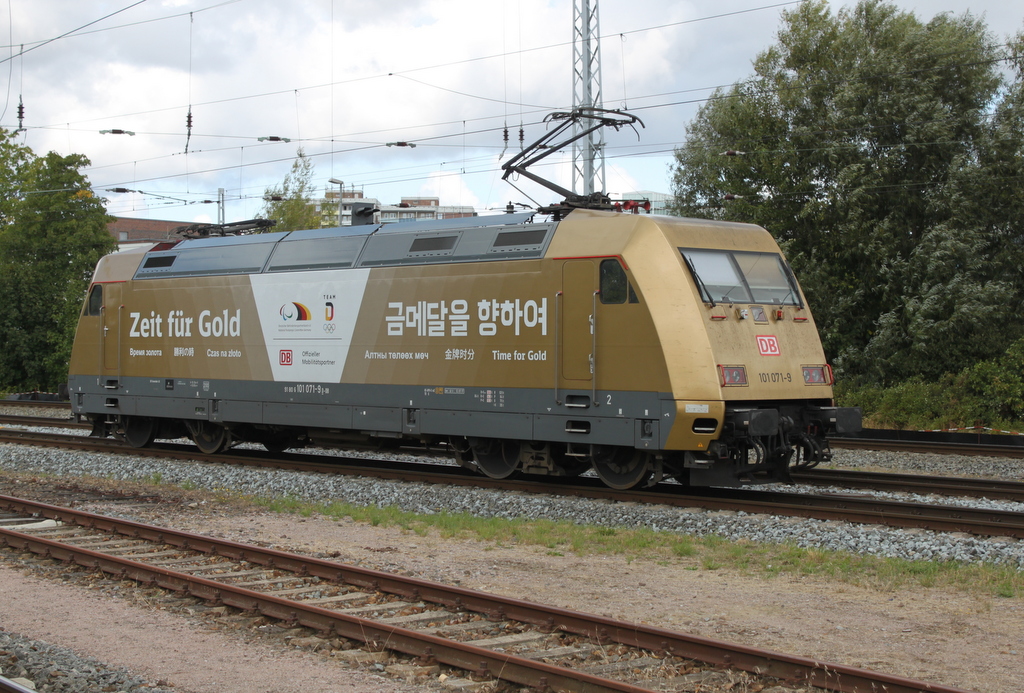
42, 422
884, 481
934, 442
378, 616
839, 507
914, 483
35, 404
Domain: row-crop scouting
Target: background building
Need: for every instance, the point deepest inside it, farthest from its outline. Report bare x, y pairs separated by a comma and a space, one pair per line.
130, 230
422, 209
409, 209
328, 206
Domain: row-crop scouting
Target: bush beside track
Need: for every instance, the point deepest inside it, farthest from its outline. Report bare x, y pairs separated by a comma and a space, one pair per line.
989, 394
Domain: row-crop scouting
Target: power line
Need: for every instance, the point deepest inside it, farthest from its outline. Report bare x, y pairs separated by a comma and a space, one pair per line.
78, 32
406, 72
437, 138
647, 107
433, 142
68, 33
661, 105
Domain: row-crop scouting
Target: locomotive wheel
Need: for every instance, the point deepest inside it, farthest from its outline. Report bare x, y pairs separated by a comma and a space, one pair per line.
139, 431
209, 438
496, 459
621, 468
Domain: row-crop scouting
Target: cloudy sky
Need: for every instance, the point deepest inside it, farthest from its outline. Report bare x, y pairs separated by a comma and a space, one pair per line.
343, 78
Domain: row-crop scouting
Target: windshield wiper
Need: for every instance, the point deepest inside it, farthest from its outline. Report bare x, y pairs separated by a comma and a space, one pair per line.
791, 280
700, 282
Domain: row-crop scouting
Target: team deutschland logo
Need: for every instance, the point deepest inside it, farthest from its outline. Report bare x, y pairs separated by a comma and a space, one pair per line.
329, 326
294, 311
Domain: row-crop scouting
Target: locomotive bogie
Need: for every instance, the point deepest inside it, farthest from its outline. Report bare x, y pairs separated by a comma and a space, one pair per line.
604, 341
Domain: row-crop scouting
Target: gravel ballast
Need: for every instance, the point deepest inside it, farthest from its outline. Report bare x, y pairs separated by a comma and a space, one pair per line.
56, 669
60, 670
429, 499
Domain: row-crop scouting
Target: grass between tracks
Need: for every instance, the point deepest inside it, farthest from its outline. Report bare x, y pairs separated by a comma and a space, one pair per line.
710, 552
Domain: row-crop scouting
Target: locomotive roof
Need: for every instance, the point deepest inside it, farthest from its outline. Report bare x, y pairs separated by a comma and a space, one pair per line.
468, 239
448, 241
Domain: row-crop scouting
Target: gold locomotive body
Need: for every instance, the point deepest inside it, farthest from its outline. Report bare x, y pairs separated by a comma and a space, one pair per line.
642, 347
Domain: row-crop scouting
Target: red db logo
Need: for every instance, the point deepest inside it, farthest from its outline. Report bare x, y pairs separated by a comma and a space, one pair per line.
768, 345
285, 357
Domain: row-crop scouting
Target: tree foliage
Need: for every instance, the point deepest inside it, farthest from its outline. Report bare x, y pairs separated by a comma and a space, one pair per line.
291, 204
53, 231
884, 153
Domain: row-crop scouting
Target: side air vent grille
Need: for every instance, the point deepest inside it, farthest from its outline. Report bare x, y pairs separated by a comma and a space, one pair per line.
509, 239
429, 244
159, 261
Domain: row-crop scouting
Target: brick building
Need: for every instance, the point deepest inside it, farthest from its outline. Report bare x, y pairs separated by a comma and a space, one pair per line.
130, 230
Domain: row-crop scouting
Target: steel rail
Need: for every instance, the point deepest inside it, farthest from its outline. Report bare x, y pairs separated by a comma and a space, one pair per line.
997, 489
846, 508
42, 422
9, 686
36, 403
935, 447
849, 508
831, 676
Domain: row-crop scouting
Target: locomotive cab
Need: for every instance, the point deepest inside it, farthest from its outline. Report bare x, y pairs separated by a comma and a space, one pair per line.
748, 376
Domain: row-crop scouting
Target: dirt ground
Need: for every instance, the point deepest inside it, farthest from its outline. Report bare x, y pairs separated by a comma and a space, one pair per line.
931, 634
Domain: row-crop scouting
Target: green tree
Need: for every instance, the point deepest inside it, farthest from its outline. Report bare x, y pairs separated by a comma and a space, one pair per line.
291, 204
13, 160
860, 135
53, 231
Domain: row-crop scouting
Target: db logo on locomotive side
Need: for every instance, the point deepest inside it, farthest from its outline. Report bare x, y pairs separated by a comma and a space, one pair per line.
768, 345
285, 357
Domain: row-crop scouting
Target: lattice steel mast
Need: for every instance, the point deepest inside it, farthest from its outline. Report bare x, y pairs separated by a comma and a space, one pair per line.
588, 152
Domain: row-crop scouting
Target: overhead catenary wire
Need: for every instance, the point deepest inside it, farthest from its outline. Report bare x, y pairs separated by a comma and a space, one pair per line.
664, 104
521, 51
485, 130
332, 138
73, 31
454, 63
141, 22
662, 149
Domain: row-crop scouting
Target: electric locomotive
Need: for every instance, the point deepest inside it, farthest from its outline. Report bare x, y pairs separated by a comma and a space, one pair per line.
641, 347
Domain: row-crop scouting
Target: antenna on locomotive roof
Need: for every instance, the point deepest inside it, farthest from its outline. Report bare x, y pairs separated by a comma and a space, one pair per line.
597, 119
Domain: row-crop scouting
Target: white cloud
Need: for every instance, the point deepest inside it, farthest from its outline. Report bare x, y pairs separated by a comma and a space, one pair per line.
341, 78
450, 188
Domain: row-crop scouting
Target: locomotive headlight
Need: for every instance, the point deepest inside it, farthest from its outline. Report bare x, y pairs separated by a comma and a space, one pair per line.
817, 375
733, 376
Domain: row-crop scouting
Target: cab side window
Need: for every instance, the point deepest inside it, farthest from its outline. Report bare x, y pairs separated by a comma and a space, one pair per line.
615, 287
95, 302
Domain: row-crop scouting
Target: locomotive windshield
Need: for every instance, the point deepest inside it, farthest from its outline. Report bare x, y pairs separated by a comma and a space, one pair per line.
733, 276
